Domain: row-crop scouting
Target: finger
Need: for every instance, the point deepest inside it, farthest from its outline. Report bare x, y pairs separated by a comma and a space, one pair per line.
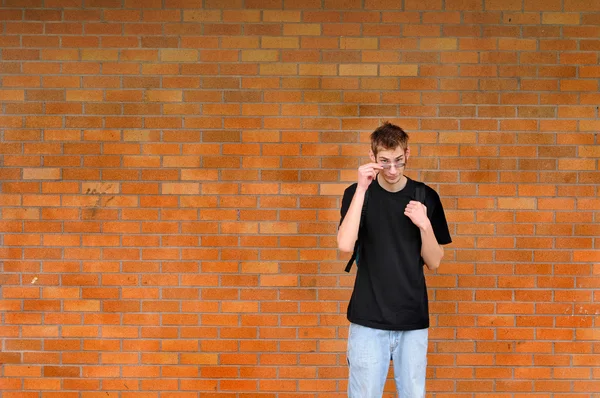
371, 166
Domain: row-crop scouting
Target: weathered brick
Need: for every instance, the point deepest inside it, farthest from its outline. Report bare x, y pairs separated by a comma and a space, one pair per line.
173, 171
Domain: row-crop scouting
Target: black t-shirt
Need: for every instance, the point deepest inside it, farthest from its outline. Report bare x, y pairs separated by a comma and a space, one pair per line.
389, 290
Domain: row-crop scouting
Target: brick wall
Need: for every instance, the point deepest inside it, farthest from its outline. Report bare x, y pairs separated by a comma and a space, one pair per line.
171, 179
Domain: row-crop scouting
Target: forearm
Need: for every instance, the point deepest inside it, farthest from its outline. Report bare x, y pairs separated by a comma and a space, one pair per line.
348, 231
431, 251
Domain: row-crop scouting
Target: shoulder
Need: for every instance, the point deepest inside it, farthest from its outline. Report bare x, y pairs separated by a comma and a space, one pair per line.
348, 195
431, 192
428, 190
351, 189
432, 198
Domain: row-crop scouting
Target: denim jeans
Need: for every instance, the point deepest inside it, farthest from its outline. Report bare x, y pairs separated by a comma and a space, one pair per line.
369, 354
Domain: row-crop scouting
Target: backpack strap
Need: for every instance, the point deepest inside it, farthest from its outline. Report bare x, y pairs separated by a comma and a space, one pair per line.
363, 212
420, 197
420, 192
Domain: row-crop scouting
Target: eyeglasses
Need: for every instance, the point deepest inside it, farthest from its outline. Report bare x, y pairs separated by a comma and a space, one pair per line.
388, 165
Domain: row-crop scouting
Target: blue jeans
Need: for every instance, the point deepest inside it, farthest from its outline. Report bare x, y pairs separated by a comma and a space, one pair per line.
369, 354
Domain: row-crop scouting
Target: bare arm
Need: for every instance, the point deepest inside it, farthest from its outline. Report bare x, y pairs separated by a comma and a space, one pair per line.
348, 231
431, 251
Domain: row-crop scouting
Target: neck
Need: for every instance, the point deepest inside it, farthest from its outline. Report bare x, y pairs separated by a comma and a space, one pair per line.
398, 186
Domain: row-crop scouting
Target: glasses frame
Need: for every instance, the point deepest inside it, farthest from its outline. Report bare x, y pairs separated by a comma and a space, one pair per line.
397, 165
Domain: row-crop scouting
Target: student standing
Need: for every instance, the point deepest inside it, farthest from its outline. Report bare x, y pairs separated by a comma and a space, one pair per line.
403, 228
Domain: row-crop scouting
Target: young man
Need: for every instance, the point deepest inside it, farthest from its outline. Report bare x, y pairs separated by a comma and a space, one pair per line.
388, 310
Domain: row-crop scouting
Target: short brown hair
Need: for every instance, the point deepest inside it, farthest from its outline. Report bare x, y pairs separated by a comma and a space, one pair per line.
388, 136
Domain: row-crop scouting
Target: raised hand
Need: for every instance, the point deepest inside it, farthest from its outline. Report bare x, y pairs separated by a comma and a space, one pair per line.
367, 173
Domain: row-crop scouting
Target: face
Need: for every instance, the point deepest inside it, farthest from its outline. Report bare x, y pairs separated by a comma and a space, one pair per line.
393, 162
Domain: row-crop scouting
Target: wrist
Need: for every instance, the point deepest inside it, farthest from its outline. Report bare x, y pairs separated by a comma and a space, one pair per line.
361, 190
425, 226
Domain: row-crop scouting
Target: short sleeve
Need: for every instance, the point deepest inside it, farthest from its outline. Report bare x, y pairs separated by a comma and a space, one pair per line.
346, 200
438, 218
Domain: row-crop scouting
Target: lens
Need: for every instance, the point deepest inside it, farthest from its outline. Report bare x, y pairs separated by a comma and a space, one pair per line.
387, 166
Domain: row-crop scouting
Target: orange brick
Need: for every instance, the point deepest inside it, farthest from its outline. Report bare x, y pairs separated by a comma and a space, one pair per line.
557, 18
260, 55
281, 16
279, 42
41, 173
21, 81
163, 95
345, 29
278, 69
202, 15
241, 16
503, 5
477, 44
578, 85
99, 55
61, 82
438, 44
537, 5
358, 70
419, 31
358, 43
580, 5
423, 5
301, 29
400, 70
12, 95
84, 95
179, 55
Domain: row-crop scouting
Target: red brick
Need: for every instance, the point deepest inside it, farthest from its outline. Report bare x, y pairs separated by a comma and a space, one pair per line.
214, 154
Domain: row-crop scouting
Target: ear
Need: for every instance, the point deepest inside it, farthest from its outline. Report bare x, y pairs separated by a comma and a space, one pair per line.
407, 154
372, 156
